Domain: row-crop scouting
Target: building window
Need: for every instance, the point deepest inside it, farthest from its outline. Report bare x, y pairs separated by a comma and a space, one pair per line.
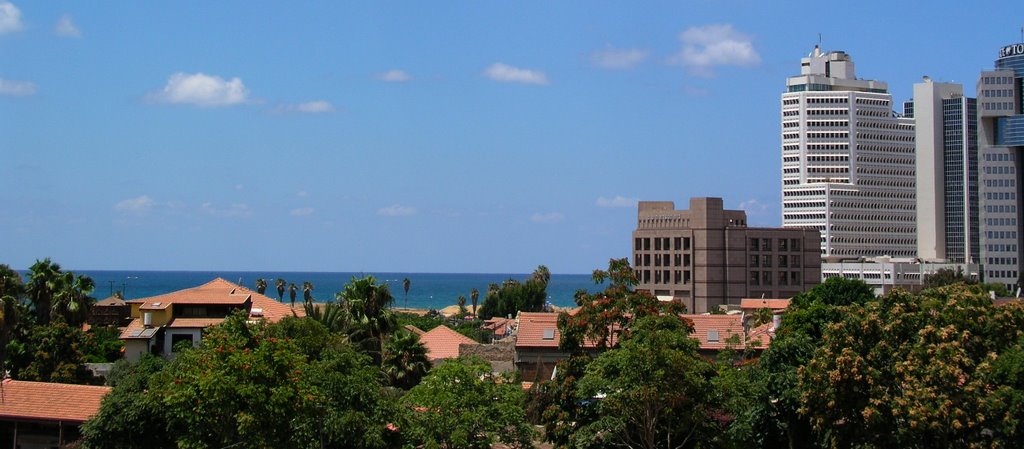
647, 244
679, 276
754, 244
755, 260
766, 260
678, 261
794, 244
783, 261
637, 242
782, 278
782, 245
766, 277
794, 278
766, 244
686, 276
686, 260
679, 243
794, 261
755, 278
647, 260
657, 244
636, 260
177, 339
686, 243
664, 243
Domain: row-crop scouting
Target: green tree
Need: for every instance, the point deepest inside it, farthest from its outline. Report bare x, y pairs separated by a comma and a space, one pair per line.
368, 304
405, 360
514, 296
292, 291
406, 283
54, 293
280, 283
461, 302
474, 295
261, 285
307, 291
655, 391
914, 370
461, 404
128, 417
52, 353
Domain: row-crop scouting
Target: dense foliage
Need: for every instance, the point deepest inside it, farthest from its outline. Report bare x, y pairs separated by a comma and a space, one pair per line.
513, 296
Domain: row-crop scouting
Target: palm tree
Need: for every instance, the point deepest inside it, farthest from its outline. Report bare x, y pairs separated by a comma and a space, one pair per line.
72, 301
405, 360
43, 283
292, 290
542, 274
332, 315
9, 316
261, 285
461, 301
368, 305
307, 291
280, 289
474, 295
405, 285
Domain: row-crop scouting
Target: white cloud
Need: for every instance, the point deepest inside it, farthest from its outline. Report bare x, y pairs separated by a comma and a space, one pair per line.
550, 217
617, 201
10, 18
237, 210
202, 90
66, 27
394, 76
139, 205
508, 74
753, 206
618, 58
309, 107
302, 194
709, 46
302, 211
396, 211
16, 88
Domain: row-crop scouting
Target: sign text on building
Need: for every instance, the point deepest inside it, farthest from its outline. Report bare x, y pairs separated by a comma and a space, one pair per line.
1011, 50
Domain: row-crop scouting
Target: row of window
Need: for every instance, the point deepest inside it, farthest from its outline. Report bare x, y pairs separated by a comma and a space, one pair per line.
1012, 274
873, 113
1002, 261
998, 156
828, 135
828, 123
1000, 209
1000, 170
804, 216
784, 277
1001, 221
886, 148
644, 260
873, 102
998, 106
861, 240
1000, 195
828, 100
784, 261
822, 112
1001, 234
1001, 248
1000, 183
997, 93
998, 79
887, 137
765, 244
664, 276
661, 243
885, 125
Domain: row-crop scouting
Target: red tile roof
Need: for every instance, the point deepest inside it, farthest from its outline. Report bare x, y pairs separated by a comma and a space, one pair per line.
761, 336
531, 330
763, 303
50, 401
497, 325
194, 322
221, 292
725, 326
135, 329
443, 343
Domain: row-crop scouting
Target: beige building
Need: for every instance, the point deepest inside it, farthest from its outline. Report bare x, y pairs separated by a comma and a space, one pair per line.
707, 257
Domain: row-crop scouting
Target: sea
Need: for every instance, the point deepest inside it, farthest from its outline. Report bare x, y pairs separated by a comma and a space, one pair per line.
426, 290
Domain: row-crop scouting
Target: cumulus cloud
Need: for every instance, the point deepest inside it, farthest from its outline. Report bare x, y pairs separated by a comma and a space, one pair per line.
618, 58
309, 107
394, 76
65, 27
753, 206
396, 210
237, 210
202, 90
16, 88
10, 17
138, 205
617, 201
550, 217
710, 46
301, 212
507, 74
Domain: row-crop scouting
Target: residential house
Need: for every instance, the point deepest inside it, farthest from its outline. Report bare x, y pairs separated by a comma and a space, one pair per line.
443, 343
45, 415
160, 323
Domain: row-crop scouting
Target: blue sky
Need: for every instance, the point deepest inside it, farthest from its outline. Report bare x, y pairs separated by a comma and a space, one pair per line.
414, 136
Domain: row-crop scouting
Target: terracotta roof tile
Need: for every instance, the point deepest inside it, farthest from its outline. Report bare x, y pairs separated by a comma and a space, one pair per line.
50, 401
713, 331
135, 329
761, 336
194, 322
111, 301
763, 303
222, 292
540, 330
442, 342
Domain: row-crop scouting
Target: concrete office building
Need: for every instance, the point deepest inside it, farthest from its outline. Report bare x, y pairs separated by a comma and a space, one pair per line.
848, 164
946, 122
708, 257
1001, 141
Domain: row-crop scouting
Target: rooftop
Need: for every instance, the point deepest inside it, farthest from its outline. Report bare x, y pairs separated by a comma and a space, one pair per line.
442, 342
50, 401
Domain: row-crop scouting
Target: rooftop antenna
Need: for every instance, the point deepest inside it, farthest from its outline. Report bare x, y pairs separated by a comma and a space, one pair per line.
819, 36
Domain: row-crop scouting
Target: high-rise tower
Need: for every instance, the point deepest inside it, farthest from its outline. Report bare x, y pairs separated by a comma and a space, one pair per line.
1001, 142
848, 163
947, 172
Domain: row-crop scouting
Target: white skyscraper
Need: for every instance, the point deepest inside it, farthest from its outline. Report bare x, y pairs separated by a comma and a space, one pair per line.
848, 163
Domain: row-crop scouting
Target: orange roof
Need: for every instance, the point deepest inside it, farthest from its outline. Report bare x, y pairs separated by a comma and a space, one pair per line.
111, 301
540, 330
761, 336
443, 343
194, 322
50, 401
763, 303
217, 291
414, 329
712, 331
498, 325
135, 329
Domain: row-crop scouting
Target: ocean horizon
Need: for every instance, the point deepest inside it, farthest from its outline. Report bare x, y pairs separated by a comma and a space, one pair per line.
426, 291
